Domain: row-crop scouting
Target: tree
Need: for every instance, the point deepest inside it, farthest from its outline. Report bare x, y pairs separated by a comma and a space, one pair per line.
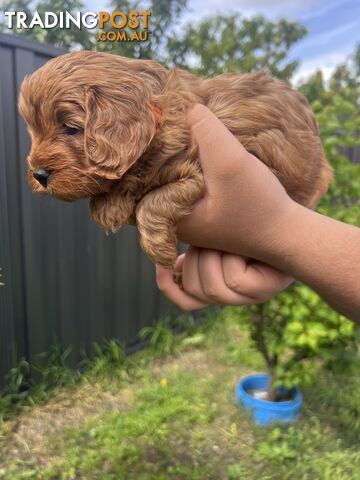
357, 60
231, 43
64, 38
298, 326
337, 107
164, 14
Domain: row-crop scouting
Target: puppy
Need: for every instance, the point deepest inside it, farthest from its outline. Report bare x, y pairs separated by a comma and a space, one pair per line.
114, 130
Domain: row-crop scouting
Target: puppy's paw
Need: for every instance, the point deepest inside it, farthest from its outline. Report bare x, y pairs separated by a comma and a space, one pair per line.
161, 253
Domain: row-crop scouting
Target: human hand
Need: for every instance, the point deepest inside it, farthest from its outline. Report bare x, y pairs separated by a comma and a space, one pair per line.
214, 277
245, 209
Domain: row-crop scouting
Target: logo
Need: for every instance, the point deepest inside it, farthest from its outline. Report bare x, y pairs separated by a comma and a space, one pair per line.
113, 27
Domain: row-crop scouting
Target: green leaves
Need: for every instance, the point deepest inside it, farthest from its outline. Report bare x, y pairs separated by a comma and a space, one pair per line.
337, 107
298, 325
164, 15
160, 337
231, 44
64, 38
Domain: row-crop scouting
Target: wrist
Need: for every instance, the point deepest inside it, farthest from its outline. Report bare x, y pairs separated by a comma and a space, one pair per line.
286, 235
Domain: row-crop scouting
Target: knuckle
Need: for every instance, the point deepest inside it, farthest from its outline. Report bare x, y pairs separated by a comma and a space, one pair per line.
233, 282
192, 291
211, 293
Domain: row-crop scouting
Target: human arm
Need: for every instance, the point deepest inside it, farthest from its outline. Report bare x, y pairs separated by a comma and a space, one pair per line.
246, 211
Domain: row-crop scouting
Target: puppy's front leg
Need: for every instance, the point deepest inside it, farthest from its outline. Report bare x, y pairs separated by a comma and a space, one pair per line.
112, 210
158, 212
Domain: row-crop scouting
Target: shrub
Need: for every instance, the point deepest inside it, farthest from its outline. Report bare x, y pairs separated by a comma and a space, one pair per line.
297, 326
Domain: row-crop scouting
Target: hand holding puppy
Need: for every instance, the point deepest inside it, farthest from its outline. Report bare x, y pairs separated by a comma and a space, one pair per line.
233, 178
246, 211
244, 203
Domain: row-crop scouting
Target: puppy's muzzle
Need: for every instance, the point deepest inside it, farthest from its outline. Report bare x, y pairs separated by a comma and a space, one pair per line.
42, 176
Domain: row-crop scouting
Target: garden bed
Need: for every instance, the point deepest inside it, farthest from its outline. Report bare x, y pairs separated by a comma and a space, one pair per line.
174, 418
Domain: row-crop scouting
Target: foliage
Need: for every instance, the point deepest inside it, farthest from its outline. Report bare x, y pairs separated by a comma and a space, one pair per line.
235, 44
30, 383
160, 337
108, 358
337, 107
164, 15
296, 326
52, 369
64, 38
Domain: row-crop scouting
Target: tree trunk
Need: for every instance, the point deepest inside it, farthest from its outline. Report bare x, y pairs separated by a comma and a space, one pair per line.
271, 361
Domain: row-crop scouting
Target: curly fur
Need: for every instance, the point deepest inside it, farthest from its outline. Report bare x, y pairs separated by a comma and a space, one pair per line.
141, 167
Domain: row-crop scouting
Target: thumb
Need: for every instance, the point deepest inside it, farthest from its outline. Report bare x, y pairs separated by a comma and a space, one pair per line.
221, 154
179, 264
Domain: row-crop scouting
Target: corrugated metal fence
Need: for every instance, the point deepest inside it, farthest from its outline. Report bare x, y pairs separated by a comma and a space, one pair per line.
63, 275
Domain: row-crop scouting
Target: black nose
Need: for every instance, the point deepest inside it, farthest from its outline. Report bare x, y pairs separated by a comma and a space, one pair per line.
41, 176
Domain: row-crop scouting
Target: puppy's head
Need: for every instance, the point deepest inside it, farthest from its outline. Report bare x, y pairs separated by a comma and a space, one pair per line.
89, 117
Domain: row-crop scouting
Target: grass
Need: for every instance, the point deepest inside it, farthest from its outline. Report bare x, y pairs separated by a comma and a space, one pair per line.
173, 417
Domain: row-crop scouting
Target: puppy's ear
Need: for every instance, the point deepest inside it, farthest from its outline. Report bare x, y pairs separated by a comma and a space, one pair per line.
119, 126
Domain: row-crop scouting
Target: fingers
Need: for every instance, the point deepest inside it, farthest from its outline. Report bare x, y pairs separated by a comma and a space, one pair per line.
213, 277
180, 263
191, 277
253, 279
171, 290
203, 279
214, 288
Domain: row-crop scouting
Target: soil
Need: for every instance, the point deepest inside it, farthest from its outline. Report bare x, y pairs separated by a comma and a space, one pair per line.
263, 394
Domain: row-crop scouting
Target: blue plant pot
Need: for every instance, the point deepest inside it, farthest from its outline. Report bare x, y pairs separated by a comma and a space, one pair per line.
263, 411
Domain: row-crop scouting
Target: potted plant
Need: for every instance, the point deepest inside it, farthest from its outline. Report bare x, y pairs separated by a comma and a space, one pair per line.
288, 331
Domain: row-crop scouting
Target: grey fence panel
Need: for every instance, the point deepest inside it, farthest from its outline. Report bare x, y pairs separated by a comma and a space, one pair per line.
11, 222
64, 277
6, 324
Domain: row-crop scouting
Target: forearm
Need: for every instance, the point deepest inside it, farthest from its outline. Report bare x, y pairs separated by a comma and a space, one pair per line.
324, 254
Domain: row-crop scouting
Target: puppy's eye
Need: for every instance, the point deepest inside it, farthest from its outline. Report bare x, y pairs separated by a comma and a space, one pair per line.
70, 130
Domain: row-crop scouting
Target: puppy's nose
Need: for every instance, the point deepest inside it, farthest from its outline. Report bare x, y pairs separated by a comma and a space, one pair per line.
41, 175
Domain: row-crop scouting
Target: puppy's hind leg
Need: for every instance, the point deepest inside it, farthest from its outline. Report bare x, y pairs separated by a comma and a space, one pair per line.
157, 215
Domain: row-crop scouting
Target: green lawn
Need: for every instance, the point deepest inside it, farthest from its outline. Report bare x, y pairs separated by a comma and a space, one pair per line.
174, 418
